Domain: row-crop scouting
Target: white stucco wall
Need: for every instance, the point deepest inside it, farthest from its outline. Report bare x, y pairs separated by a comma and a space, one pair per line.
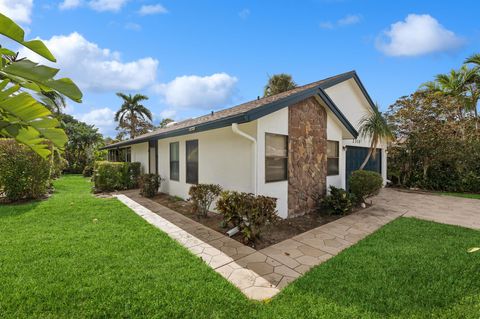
334, 133
225, 158
139, 153
352, 103
277, 123
228, 159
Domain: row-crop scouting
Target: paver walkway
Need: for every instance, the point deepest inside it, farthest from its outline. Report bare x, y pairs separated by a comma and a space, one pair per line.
261, 274
452, 210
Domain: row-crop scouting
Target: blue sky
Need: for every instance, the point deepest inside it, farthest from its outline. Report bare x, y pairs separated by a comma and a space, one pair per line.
191, 57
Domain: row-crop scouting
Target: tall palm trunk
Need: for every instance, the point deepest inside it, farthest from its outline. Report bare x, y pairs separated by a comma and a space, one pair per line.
373, 147
475, 111
133, 121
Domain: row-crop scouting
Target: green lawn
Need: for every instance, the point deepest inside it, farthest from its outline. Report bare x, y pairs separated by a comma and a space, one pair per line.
77, 256
464, 195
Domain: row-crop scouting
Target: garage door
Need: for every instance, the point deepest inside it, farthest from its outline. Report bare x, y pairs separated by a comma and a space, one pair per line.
355, 157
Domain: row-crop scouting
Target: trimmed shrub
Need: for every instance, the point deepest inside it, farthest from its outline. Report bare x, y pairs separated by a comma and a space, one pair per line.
87, 171
149, 184
23, 173
364, 184
110, 176
338, 202
202, 197
248, 212
132, 175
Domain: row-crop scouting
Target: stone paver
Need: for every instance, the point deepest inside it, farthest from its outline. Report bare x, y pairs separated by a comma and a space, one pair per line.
452, 210
262, 274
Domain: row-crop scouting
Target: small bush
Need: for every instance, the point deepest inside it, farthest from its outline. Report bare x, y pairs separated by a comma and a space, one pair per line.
247, 211
132, 175
23, 173
87, 171
59, 164
338, 202
149, 184
364, 184
202, 197
110, 176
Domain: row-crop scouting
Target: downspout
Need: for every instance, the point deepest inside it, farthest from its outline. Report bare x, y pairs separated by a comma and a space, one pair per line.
237, 131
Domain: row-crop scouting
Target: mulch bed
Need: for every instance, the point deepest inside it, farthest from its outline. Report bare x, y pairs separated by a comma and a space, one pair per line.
271, 234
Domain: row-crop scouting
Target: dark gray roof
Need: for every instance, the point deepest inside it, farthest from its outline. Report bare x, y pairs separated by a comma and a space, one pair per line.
252, 110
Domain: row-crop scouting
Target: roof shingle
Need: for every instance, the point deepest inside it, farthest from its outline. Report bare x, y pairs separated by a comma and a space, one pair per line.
229, 112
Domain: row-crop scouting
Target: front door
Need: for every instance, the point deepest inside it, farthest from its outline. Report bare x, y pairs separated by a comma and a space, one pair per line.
152, 157
355, 157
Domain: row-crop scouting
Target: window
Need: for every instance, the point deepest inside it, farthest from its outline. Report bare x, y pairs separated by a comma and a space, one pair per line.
174, 161
128, 155
276, 157
120, 155
191, 150
332, 158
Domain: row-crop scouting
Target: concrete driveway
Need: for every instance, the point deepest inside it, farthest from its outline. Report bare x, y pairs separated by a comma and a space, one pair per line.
442, 209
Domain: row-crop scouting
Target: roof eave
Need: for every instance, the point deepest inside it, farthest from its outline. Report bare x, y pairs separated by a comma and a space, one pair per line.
262, 111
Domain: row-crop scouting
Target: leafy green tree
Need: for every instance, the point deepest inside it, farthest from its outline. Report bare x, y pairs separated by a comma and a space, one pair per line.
23, 117
279, 83
374, 127
435, 148
83, 143
133, 117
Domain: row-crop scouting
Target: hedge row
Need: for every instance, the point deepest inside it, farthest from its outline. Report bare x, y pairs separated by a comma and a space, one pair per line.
110, 176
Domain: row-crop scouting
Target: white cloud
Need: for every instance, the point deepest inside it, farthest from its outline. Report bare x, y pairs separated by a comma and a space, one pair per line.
245, 13
417, 35
326, 25
133, 26
69, 4
193, 91
168, 113
349, 19
102, 118
97, 5
152, 9
19, 11
97, 69
107, 5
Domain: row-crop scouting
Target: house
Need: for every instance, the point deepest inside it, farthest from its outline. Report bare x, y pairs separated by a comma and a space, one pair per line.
291, 146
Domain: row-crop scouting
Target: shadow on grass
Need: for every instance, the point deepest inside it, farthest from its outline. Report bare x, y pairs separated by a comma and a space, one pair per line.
19, 208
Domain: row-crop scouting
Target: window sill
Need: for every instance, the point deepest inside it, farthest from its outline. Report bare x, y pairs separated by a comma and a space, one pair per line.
280, 180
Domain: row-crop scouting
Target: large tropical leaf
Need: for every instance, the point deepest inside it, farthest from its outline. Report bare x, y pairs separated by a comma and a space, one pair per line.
42, 76
28, 121
13, 31
22, 116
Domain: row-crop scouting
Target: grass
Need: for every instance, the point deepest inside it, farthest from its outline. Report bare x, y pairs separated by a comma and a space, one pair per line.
464, 195
77, 256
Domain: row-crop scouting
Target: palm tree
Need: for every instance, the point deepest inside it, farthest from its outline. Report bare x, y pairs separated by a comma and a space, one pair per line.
375, 127
279, 83
132, 114
54, 101
474, 83
459, 84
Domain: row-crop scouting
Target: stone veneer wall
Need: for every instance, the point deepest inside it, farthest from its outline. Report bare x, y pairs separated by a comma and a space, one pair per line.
307, 162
